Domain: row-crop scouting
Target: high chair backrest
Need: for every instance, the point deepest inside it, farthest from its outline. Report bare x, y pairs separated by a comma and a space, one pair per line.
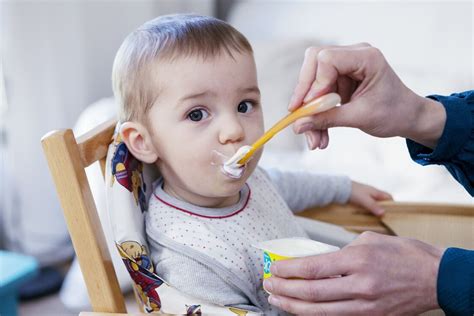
67, 158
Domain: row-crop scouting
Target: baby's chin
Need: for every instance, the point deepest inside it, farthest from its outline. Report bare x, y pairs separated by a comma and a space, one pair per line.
230, 187
221, 186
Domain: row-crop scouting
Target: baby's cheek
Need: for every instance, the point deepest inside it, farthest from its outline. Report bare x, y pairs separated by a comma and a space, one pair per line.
197, 172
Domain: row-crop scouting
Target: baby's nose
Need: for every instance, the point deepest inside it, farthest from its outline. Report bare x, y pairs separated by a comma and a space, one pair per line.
231, 131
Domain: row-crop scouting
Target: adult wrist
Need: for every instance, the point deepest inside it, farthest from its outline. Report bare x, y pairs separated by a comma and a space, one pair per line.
432, 280
429, 122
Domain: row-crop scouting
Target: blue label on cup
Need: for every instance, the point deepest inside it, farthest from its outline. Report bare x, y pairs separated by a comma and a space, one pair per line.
267, 262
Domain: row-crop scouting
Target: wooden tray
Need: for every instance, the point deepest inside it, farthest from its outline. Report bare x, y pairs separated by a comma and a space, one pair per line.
438, 224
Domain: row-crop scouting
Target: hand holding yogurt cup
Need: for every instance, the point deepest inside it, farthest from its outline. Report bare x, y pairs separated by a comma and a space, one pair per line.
290, 248
379, 274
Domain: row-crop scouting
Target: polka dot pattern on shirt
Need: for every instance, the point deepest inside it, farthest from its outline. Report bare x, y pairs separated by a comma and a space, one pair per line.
229, 240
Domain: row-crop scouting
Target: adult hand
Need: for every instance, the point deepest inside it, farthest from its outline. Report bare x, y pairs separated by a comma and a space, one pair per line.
374, 275
374, 98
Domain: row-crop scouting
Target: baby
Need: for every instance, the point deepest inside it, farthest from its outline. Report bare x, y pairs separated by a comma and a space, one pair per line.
189, 99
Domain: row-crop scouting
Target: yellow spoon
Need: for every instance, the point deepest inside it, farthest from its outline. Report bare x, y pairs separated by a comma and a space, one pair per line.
315, 106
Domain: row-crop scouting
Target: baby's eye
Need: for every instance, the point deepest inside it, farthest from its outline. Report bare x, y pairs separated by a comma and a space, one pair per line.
197, 115
245, 107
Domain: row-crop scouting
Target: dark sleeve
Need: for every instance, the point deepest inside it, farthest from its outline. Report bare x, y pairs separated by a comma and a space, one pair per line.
455, 285
455, 148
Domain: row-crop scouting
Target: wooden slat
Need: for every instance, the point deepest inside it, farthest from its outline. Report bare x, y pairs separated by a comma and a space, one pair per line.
102, 163
442, 230
429, 208
94, 144
83, 222
356, 219
348, 216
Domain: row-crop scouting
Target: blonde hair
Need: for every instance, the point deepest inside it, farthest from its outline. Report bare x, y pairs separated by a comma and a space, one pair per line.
165, 38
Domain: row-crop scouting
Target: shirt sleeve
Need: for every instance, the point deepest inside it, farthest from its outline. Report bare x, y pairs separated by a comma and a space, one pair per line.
302, 190
455, 285
455, 148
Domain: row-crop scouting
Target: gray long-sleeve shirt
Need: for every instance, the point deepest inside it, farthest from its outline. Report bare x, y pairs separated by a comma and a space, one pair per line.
207, 279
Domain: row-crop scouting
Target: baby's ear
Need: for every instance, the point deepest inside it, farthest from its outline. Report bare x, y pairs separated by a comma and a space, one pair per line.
139, 142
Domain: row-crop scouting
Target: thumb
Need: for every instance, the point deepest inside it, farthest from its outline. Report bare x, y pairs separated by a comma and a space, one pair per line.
339, 116
344, 115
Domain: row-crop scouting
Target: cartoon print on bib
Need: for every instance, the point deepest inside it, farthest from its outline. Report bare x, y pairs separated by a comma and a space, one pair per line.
139, 267
128, 172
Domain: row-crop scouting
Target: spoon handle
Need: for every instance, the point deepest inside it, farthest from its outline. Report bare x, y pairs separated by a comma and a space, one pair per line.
313, 107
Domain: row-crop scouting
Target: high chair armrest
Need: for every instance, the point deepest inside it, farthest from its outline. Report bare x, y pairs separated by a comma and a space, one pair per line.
439, 224
351, 217
356, 219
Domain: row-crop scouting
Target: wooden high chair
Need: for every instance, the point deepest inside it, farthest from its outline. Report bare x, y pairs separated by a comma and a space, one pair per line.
67, 157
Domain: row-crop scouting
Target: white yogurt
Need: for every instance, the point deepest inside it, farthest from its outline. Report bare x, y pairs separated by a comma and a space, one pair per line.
233, 171
295, 247
231, 167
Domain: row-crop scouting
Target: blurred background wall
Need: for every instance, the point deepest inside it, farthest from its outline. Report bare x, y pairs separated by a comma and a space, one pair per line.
57, 59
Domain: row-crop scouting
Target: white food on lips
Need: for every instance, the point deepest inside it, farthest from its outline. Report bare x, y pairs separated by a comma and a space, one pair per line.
231, 167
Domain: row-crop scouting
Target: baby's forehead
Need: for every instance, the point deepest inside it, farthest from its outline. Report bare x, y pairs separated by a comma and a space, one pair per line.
219, 74
194, 62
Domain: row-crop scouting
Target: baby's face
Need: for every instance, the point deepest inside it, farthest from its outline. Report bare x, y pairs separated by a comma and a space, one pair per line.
204, 107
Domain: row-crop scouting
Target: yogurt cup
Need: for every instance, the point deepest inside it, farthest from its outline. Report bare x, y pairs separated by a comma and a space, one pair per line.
290, 248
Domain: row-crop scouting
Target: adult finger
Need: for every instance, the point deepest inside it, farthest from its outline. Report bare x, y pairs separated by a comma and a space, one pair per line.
306, 77
345, 88
333, 63
344, 115
314, 267
324, 139
323, 290
299, 307
314, 139
308, 72
303, 125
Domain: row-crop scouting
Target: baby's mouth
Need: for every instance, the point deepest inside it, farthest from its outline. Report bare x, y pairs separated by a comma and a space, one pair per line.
233, 172
230, 167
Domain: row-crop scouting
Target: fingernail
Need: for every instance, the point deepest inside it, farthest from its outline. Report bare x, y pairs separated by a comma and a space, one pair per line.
292, 100
274, 300
274, 269
304, 128
317, 89
309, 141
380, 211
310, 96
267, 285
